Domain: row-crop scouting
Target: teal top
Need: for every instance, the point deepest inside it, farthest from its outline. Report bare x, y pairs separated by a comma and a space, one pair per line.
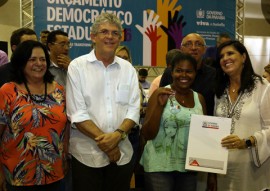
167, 152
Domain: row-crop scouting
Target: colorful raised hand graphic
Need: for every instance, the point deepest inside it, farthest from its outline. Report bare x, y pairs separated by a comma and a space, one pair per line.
163, 7
151, 32
148, 21
174, 30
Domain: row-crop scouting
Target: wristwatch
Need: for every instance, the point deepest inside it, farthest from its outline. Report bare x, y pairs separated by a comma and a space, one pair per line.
248, 143
123, 133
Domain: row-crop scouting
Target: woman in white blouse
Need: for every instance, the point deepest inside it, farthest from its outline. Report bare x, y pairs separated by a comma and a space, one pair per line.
245, 97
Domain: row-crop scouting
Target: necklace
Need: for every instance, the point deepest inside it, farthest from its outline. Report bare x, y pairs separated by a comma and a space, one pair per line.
34, 98
233, 90
182, 97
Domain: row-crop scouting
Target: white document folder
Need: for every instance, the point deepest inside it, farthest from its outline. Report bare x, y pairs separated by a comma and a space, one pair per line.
204, 151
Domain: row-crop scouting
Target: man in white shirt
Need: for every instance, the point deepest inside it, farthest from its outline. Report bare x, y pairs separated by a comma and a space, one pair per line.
103, 102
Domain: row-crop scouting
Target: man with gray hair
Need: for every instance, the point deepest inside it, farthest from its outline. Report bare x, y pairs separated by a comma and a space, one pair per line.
103, 102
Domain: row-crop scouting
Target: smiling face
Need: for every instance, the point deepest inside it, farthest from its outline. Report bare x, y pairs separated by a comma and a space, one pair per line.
231, 61
194, 44
36, 65
106, 41
183, 74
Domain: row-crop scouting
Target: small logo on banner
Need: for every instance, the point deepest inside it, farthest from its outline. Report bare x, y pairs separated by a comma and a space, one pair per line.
200, 13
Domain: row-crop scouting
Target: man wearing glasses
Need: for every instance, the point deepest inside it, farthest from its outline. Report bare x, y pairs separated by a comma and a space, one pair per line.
194, 44
103, 102
58, 44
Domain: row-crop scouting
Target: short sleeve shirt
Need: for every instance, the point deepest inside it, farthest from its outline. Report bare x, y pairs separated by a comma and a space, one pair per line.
33, 137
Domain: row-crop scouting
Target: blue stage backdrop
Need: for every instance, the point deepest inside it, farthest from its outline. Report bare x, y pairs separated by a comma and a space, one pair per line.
151, 28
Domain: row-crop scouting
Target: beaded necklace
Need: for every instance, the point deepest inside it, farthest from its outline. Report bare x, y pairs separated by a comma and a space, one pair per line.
32, 97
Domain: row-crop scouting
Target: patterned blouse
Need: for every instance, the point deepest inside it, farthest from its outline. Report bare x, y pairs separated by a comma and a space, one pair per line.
34, 138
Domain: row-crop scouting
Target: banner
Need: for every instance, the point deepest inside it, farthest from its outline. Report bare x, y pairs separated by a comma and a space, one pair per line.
151, 28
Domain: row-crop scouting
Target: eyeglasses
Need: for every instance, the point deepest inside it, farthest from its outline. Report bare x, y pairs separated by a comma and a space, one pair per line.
105, 32
63, 44
191, 44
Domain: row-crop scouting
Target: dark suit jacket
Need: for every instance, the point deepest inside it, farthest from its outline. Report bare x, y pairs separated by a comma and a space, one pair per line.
5, 73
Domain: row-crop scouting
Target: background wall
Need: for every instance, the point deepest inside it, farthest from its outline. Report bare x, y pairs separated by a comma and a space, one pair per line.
9, 20
257, 33
256, 29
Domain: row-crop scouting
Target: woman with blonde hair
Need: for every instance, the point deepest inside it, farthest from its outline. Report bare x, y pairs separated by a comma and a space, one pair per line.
123, 52
266, 73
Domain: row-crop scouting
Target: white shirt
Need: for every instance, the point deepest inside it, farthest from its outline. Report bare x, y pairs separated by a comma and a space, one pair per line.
251, 117
105, 95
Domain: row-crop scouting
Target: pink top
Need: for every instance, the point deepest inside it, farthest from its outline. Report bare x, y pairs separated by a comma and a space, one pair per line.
3, 58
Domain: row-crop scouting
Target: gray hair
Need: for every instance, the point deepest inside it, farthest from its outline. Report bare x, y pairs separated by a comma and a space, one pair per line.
106, 18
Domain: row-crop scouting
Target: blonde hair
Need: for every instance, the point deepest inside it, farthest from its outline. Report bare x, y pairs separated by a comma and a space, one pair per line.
267, 68
122, 47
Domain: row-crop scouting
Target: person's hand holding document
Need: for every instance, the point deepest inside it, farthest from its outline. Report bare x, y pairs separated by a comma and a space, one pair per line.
205, 152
